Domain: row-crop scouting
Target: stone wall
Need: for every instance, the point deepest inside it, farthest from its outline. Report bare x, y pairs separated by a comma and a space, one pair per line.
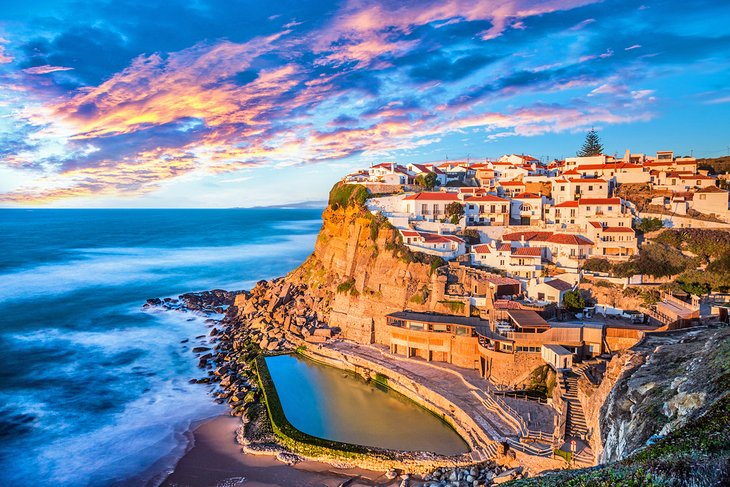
510, 369
471, 432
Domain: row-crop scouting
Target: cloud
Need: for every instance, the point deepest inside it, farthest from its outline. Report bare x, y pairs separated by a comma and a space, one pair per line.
142, 97
45, 69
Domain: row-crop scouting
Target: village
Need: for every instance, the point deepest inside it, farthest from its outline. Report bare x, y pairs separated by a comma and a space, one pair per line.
513, 235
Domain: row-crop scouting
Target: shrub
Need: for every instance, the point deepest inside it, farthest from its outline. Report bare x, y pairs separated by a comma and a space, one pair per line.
573, 301
346, 286
454, 211
454, 306
649, 225
347, 195
596, 264
436, 262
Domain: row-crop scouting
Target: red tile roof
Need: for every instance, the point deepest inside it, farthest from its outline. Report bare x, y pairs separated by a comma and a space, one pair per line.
505, 248
482, 249
599, 201
595, 224
527, 196
559, 284
529, 236
567, 204
486, 197
569, 239
528, 251
433, 196
618, 230
587, 180
512, 183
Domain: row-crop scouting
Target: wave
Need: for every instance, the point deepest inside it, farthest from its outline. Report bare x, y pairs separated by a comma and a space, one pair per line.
111, 266
77, 444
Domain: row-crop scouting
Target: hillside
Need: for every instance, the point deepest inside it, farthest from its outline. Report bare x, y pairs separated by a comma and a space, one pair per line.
671, 391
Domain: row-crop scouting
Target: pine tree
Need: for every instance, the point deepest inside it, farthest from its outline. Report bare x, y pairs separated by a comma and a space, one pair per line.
592, 146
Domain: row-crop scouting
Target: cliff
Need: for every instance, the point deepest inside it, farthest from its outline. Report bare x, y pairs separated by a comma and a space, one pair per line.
359, 272
657, 386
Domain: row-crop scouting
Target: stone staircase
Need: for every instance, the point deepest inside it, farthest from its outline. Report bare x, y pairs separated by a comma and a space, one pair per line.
575, 425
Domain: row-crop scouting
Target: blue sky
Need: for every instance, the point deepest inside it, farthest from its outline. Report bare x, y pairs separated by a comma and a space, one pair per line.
222, 103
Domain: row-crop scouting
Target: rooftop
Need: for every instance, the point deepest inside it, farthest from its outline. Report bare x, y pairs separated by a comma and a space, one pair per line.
438, 318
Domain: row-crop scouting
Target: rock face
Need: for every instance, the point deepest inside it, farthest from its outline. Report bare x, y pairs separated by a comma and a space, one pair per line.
656, 387
355, 277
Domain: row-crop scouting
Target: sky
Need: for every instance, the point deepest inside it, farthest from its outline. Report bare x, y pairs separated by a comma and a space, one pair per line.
225, 103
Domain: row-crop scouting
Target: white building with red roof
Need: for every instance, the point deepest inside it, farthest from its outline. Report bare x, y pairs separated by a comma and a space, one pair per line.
486, 209
425, 169
613, 242
390, 173
429, 205
520, 262
569, 188
527, 208
510, 188
445, 246
613, 212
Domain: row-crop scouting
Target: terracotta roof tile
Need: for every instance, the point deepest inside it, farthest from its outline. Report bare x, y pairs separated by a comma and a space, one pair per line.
569, 239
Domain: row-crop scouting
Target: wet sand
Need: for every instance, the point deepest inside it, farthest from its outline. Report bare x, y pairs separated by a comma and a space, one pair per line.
216, 460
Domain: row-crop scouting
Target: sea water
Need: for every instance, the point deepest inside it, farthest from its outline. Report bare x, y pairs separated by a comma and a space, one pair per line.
94, 389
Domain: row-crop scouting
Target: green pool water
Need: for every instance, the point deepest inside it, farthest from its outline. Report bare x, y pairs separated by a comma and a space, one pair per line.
332, 404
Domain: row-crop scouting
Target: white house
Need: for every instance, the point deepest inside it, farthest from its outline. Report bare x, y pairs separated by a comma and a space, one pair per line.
527, 208
445, 246
547, 289
429, 205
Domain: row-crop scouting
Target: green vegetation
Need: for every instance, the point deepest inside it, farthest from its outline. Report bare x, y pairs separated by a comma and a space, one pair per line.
573, 301
298, 441
436, 262
454, 306
717, 165
592, 145
695, 454
377, 222
649, 225
427, 181
471, 236
542, 381
682, 253
596, 264
346, 286
348, 195
454, 211
421, 296
381, 379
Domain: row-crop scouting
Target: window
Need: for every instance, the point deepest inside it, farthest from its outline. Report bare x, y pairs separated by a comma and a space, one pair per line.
703, 196
590, 187
462, 331
491, 209
562, 188
588, 208
415, 326
504, 208
439, 327
610, 208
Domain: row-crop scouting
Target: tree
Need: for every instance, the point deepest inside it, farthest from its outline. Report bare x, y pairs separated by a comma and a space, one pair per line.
649, 224
573, 301
454, 211
592, 145
427, 181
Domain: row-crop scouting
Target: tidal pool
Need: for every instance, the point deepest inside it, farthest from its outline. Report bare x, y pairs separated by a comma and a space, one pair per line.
336, 405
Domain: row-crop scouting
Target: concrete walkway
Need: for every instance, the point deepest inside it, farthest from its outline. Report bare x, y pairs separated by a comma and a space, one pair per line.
464, 387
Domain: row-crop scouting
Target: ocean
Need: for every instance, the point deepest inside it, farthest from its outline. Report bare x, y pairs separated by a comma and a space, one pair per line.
93, 388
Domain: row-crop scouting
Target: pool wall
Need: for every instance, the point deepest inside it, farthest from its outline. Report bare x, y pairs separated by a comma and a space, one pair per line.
371, 458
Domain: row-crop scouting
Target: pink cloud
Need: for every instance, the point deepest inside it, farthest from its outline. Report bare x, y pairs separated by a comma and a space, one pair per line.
45, 69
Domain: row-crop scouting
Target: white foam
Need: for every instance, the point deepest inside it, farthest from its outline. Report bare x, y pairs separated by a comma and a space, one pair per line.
121, 266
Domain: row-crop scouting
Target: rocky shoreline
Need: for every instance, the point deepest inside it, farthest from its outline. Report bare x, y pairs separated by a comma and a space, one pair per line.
277, 317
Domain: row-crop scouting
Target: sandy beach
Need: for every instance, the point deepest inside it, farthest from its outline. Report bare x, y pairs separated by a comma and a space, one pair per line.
215, 459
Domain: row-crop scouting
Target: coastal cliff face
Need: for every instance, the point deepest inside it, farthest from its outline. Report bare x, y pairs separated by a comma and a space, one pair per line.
358, 273
357, 268
656, 387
